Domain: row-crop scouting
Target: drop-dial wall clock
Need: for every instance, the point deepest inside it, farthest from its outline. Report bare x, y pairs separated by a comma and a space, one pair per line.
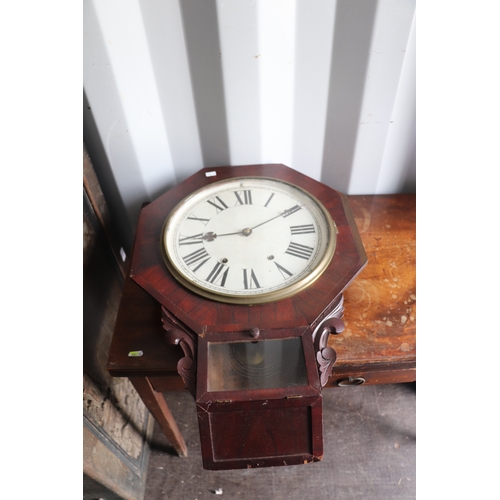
249, 264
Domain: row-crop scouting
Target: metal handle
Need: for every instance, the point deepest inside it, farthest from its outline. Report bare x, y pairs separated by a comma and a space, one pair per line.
351, 381
255, 332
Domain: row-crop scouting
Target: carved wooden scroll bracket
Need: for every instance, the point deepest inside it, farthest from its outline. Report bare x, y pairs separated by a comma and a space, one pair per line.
331, 325
179, 335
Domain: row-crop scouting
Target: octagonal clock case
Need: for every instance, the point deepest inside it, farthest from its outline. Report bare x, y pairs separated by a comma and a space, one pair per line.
249, 264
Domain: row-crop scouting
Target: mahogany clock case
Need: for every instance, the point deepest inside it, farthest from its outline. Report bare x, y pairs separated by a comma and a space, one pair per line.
247, 424
306, 308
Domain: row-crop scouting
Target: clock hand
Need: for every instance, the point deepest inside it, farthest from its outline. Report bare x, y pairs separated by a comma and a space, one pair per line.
210, 236
286, 212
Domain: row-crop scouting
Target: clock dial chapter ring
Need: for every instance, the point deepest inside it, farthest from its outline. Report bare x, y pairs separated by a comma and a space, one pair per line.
248, 240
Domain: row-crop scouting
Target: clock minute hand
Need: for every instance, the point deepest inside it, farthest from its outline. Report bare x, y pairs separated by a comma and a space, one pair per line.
210, 236
285, 213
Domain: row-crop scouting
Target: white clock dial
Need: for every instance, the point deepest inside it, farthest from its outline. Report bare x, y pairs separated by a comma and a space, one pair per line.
248, 240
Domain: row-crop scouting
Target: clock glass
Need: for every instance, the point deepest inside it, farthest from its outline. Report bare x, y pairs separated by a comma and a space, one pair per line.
248, 240
264, 364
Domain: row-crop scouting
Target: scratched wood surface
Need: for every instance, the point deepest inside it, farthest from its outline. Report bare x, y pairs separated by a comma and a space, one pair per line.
380, 305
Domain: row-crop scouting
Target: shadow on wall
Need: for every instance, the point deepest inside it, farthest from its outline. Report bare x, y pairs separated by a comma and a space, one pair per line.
97, 153
202, 41
409, 174
352, 35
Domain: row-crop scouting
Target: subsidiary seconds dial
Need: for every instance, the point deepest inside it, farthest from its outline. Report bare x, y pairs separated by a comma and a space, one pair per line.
248, 240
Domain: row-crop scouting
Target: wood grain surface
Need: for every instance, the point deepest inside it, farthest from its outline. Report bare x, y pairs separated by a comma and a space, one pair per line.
380, 304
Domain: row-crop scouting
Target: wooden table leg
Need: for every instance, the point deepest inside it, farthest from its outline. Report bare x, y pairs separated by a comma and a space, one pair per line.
156, 404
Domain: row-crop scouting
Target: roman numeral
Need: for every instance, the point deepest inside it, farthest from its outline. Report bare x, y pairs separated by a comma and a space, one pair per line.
268, 201
214, 277
193, 217
244, 197
197, 256
250, 280
284, 272
304, 229
217, 207
191, 240
298, 250
290, 211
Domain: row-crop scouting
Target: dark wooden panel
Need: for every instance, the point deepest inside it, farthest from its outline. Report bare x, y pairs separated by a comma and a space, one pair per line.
261, 433
266, 433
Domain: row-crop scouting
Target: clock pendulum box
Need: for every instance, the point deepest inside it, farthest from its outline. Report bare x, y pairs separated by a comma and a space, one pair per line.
256, 370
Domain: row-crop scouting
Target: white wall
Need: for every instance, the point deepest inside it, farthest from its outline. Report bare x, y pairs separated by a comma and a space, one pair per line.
324, 86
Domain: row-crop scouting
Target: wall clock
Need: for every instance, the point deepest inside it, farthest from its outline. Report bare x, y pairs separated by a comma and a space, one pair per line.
248, 240
249, 264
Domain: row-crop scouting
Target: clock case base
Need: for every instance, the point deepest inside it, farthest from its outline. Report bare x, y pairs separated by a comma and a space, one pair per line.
285, 433
260, 427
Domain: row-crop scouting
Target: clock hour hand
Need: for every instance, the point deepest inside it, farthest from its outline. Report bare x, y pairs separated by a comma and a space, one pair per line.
210, 236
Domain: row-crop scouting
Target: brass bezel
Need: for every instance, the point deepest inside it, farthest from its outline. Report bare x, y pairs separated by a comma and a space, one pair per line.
265, 297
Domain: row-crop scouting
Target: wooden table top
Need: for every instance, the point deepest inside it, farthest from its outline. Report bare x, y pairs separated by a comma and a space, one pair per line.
380, 304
